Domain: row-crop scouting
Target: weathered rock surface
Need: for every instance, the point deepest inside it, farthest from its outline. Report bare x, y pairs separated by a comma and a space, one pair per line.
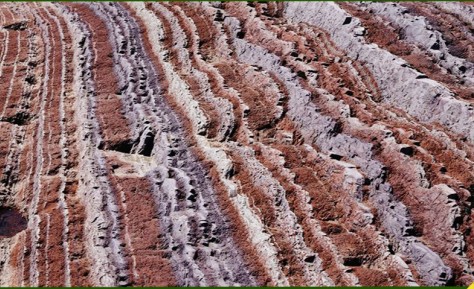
235, 143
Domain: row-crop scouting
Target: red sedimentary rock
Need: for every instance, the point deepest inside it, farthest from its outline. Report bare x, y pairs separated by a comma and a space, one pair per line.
238, 144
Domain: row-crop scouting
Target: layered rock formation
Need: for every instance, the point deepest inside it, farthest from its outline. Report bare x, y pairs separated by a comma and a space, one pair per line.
197, 144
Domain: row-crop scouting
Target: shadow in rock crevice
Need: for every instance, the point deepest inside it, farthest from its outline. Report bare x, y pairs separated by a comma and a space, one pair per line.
12, 222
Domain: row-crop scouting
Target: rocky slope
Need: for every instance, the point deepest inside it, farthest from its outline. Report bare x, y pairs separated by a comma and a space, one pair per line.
196, 144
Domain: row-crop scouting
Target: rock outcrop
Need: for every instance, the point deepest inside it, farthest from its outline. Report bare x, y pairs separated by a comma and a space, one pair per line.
234, 143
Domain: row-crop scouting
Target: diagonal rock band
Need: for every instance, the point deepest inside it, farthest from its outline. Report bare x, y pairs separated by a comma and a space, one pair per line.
236, 144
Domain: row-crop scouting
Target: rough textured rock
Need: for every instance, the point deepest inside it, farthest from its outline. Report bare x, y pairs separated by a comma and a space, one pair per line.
235, 143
